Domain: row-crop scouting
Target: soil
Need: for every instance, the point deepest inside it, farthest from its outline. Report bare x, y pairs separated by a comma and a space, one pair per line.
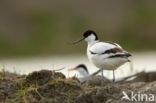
47, 86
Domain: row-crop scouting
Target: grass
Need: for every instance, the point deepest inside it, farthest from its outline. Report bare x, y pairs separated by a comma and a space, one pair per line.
66, 90
24, 92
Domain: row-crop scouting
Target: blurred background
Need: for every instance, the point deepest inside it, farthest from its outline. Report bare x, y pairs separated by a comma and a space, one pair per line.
42, 29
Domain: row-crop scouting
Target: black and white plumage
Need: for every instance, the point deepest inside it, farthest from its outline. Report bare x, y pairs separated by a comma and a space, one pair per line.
83, 73
104, 55
85, 76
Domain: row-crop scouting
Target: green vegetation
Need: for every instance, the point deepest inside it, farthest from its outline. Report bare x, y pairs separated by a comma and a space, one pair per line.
48, 30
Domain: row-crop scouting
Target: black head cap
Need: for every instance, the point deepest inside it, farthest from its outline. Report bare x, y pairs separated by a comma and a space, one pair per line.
88, 33
83, 66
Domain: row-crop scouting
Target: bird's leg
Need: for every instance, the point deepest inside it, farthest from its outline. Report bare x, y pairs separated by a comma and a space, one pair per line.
102, 78
113, 76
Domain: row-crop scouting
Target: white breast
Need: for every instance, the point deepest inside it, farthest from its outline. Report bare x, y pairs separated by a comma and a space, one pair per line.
101, 60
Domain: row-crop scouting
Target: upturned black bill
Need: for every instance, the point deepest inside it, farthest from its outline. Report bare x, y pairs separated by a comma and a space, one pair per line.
78, 41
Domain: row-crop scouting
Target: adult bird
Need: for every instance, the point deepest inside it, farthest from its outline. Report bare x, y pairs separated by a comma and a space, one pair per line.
104, 55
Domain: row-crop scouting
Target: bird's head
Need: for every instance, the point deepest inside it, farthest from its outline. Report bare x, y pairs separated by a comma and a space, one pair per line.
81, 68
88, 36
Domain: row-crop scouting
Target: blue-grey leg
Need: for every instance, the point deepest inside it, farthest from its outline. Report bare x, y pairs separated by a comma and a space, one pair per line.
102, 78
113, 76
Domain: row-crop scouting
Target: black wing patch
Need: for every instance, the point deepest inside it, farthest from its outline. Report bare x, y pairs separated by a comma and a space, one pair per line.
109, 51
114, 51
120, 55
92, 52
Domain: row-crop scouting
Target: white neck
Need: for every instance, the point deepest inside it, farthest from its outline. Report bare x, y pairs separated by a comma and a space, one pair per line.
90, 43
84, 74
